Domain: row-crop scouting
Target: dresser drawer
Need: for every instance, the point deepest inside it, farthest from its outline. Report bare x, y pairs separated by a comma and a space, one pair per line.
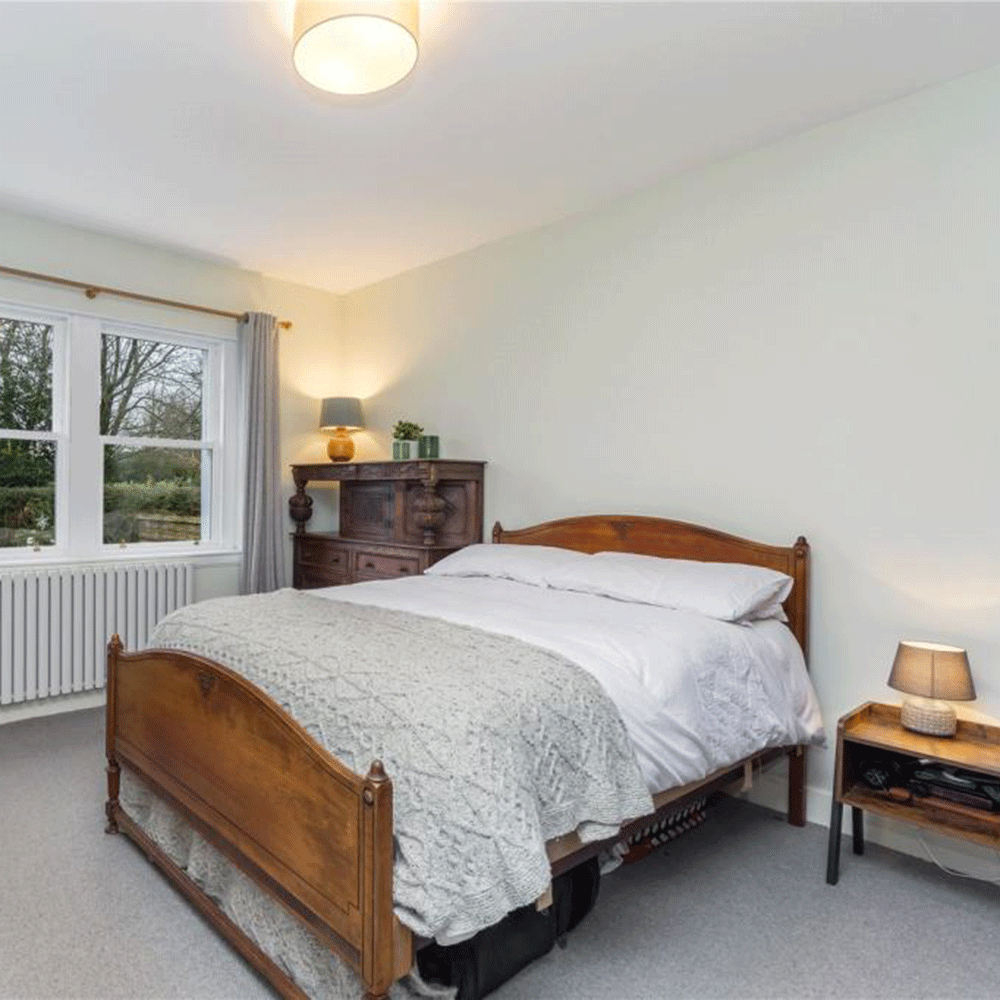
310, 576
319, 552
379, 566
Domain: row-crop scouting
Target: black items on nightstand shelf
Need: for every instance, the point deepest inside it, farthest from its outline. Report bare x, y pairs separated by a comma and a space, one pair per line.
901, 777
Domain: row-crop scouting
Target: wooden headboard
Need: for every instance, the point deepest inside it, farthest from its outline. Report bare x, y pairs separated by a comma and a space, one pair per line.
656, 536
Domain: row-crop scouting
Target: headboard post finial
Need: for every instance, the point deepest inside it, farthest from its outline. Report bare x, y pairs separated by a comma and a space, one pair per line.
497, 532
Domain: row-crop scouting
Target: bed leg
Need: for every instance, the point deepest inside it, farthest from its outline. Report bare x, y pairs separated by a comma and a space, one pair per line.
111, 806
797, 786
115, 649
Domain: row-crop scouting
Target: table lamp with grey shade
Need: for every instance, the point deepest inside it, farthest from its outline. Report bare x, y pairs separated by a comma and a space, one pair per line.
932, 675
341, 415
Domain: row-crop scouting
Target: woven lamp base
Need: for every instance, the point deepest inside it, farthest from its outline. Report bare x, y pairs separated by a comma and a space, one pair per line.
922, 715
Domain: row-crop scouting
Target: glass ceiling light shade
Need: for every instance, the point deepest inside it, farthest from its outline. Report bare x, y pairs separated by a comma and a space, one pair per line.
353, 48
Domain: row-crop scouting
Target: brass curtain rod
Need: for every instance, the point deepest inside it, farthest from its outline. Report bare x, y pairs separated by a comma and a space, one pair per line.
92, 291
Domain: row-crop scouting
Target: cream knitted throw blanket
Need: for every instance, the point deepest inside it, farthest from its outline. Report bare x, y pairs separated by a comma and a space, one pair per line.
494, 746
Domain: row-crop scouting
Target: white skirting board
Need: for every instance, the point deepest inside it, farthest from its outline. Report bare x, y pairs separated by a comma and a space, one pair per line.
52, 706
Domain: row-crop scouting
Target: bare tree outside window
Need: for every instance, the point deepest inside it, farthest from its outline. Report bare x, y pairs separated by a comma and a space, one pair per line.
151, 390
156, 458
25, 375
28, 455
148, 438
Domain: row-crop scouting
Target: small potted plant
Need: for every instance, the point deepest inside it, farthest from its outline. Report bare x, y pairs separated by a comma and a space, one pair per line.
405, 439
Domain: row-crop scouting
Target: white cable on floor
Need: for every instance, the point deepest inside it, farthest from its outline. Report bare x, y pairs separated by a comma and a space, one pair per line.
954, 871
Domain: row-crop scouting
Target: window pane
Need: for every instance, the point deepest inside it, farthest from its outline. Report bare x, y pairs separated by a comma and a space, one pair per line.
25, 375
153, 494
151, 389
27, 493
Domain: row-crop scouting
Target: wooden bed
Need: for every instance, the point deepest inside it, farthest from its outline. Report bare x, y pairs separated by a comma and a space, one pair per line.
313, 834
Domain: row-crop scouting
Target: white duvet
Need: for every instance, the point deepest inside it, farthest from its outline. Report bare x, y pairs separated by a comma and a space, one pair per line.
695, 694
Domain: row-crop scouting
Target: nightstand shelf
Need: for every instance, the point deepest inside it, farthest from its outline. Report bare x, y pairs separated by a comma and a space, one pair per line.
873, 729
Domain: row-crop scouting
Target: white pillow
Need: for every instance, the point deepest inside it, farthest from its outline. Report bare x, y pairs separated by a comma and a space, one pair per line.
775, 610
729, 592
532, 564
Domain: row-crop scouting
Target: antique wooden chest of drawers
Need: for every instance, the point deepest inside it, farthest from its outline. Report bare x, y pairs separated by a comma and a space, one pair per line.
396, 519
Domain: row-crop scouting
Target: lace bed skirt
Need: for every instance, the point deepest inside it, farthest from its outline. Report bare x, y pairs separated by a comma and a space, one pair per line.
290, 945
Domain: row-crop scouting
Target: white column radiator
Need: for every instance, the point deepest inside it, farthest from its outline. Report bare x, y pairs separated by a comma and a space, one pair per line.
55, 623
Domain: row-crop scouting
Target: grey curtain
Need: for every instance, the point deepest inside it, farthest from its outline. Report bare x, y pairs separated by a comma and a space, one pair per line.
263, 566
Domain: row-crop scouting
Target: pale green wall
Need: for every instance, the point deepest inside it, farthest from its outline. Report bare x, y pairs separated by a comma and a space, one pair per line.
799, 340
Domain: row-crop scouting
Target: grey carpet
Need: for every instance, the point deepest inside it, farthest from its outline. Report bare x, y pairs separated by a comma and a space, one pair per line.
737, 910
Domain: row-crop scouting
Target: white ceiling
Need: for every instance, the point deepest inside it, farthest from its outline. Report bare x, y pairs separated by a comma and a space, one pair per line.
183, 124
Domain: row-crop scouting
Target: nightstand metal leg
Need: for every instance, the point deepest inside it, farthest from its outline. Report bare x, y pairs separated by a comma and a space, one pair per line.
858, 829
833, 852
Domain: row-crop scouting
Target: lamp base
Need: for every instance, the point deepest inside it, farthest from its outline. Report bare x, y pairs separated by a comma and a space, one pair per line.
340, 447
925, 715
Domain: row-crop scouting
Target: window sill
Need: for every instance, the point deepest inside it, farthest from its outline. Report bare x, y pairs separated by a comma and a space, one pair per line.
200, 557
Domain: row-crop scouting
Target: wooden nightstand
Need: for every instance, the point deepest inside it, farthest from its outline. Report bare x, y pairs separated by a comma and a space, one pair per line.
873, 731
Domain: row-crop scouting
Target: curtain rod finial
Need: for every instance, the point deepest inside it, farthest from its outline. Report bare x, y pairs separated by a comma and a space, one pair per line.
282, 324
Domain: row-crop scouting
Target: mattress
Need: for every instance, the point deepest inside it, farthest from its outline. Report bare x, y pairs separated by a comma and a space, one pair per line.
695, 694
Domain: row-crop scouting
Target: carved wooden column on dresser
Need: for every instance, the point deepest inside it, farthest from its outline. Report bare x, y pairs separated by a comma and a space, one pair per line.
396, 518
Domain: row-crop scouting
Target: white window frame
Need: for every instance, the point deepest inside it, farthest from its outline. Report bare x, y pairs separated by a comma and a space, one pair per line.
76, 390
59, 322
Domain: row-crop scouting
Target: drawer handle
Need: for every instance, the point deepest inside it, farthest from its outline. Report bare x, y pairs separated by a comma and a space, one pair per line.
404, 569
369, 565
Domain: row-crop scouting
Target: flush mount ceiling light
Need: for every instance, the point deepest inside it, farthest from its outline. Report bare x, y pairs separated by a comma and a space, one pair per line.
354, 48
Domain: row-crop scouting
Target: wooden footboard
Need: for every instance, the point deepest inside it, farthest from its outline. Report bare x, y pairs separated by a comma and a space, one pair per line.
249, 778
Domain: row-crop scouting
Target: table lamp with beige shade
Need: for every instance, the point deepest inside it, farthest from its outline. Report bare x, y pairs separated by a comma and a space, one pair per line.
341, 415
932, 675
